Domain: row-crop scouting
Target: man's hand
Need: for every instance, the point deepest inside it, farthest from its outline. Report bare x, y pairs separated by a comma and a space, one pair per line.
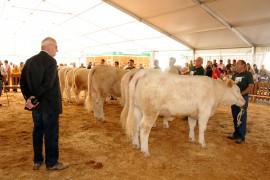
31, 103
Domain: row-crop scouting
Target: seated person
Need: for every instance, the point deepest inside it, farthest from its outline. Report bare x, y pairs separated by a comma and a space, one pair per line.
15, 80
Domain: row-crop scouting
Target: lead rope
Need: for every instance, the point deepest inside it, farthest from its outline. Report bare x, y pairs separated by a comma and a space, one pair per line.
242, 110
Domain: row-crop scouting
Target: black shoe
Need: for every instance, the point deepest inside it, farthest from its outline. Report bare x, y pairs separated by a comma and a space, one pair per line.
239, 141
58, 166
231, 137
37, 166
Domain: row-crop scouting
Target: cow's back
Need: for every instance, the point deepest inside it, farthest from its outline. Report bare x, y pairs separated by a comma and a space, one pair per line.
173, 94
107, 79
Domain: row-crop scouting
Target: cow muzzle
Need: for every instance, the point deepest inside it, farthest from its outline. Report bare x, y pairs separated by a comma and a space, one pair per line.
241, 102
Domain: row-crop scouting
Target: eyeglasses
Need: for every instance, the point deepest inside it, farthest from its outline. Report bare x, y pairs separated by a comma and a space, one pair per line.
54, 46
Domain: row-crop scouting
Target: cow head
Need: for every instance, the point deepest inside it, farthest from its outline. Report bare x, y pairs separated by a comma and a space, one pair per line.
232, 95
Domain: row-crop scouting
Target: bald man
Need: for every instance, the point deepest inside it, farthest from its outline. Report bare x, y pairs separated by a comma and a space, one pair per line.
197, 69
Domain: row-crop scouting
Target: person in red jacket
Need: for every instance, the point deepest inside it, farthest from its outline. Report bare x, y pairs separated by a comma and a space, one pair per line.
216, 72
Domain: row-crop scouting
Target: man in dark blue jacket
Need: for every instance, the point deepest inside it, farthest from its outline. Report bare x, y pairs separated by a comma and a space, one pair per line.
40, 87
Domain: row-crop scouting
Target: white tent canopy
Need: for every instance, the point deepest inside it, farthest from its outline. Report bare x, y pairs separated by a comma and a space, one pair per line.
80, 27
92, 26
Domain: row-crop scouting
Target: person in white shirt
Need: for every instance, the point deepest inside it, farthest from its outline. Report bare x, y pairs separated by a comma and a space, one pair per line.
221, 66
173, 68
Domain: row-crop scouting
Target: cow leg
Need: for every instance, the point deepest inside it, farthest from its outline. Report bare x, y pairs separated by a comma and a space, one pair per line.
99, 108
68, 94
138, 117
77, 98
95, 107
191, 123
145, 128
85, 94
165, 123
202, 128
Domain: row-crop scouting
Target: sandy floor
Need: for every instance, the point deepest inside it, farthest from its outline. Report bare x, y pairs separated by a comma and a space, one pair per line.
100, 150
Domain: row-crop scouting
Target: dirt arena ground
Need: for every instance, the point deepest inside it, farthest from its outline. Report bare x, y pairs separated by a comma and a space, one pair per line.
101, 150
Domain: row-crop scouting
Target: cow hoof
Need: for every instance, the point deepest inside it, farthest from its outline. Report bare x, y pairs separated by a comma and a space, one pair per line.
204, 146
99, 119
166, 126
136, 146
146, 154
192, 139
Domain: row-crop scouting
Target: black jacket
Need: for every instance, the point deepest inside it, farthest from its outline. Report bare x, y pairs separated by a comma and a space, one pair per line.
39, 78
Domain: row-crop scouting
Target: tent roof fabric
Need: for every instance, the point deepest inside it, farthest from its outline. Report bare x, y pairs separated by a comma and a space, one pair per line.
205, 24
84, 26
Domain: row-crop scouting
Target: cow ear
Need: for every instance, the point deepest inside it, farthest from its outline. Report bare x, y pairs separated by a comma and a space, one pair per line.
230, 83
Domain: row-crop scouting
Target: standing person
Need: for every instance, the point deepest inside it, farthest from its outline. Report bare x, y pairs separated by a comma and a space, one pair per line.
130, 65
216, 74
82, 66
156, 64
263, 74
244, 80
221, 66
102, 61
21, 66
228, 66
8, 72
233, 66
89, 65
116, 64
255, 69
197, 69
2, 78
172, 67
40, 88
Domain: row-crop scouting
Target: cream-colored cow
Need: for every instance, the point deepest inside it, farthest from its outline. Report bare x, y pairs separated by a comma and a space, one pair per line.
69, 75
103, 80
80, 82
62, 77
153, 93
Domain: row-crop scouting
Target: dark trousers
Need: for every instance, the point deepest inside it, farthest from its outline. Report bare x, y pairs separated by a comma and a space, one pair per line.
1, 86
240, 131
46, 125
15, 81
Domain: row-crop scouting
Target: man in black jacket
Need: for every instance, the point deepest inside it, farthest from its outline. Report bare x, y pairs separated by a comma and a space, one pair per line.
40, 87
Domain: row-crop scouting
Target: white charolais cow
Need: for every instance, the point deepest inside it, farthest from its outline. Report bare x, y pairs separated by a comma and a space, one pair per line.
69, 75
125, 98
153, 93
125, 94
80, 82
103, 80
62, 77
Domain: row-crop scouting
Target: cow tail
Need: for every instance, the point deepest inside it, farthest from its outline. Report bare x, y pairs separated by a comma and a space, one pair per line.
131, 121
89, 99
73, 80
74, 84
125, 95
66, 82
124, 99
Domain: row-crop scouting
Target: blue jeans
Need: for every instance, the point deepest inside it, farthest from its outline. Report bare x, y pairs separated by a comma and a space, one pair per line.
240, 131
46, 125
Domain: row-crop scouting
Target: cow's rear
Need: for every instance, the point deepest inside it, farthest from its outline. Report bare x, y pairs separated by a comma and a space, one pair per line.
103, 80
